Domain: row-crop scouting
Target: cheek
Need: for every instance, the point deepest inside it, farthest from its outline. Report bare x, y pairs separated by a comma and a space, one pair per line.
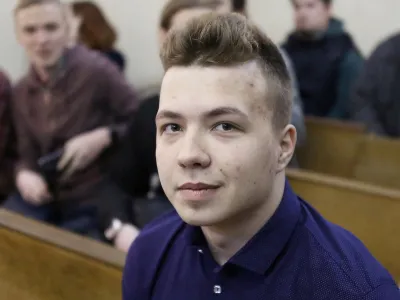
164, 161
248, 163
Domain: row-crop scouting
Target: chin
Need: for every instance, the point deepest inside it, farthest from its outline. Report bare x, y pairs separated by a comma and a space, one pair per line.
199, 218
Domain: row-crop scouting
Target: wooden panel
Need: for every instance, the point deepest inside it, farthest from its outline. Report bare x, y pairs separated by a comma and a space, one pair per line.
379, 162
371, 213
39, 262
331, 146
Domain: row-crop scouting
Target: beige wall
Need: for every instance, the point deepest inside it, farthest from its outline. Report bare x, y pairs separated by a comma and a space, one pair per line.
136, 20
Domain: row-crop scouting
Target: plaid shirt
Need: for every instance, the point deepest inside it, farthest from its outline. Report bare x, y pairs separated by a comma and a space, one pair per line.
7, 138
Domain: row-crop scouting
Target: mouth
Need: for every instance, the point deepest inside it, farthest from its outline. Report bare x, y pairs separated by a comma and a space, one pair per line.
197, 191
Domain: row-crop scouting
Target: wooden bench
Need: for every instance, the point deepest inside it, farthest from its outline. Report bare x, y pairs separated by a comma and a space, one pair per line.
331, 146
371, 213
40, 262
378, 162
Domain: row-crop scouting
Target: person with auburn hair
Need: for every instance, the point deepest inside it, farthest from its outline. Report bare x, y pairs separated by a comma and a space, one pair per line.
96, 32
70, 111
224, 139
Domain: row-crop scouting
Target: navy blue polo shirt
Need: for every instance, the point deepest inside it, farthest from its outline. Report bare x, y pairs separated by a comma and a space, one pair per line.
297, 255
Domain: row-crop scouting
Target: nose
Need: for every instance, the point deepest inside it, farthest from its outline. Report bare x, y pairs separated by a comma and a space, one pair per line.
192, 152
41, 36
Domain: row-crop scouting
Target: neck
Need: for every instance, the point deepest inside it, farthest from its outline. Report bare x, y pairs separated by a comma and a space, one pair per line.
46, 74
226, 239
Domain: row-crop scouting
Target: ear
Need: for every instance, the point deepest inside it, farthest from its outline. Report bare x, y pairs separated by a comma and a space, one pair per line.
287, 146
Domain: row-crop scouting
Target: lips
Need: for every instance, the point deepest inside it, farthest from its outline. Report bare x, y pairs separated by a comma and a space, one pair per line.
197, 186
194, 192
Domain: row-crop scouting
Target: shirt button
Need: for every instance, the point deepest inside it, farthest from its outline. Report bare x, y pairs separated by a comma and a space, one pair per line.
200, 251
217, 289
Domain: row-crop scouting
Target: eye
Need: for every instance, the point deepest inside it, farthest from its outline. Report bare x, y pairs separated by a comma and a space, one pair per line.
225, 127
29, 29
51, 27
171, 128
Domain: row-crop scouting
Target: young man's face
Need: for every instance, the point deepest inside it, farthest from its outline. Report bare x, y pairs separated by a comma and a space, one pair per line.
311, 15
42, 31
217, 153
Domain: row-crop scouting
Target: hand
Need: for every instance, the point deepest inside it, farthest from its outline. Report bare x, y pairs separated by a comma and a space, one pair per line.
125, 237
32, 187
82, 150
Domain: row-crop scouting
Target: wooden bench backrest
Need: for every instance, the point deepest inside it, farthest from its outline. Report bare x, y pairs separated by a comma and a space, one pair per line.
371, 213
378, 162
39, 262
331, 146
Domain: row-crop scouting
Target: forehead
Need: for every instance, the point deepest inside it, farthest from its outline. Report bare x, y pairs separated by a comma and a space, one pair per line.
185, 15
307, 2
41, 14
194, 89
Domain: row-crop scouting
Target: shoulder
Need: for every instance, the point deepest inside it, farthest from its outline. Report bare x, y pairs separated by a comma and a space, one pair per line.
153, 240
146, 254
5, 84
387, 49
93, 61
344, 259
20, 88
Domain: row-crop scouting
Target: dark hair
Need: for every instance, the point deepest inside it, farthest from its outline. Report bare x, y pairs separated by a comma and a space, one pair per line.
95, 31
172, 7
238, 5
228, 40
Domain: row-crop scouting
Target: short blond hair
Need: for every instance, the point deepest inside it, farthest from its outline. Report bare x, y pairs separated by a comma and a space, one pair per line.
225, 40
172, 7
22, 4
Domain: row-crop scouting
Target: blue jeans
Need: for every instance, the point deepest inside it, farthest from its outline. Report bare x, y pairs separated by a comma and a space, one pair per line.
80, 219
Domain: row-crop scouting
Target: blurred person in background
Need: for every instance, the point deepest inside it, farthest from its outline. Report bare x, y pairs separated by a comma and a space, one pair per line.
325, 58
7, 138
376, 98
95, 31
70, 111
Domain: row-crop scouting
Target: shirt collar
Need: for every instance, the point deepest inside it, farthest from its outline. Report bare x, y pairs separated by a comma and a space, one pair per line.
34, 80
264, 248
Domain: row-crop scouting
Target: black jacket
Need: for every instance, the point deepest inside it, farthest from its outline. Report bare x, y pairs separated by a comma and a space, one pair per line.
376, 98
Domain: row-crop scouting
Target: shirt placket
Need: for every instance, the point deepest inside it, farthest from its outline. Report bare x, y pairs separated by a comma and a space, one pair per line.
213, 273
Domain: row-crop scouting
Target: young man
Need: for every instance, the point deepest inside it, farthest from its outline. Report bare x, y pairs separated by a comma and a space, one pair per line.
135, 166
325, 59
70, 110
223, 142
7, 139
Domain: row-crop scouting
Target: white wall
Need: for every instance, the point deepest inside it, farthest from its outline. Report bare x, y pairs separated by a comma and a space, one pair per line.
12, 59
136, 20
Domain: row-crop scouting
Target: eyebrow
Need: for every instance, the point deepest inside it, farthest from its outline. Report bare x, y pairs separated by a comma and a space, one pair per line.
217, 112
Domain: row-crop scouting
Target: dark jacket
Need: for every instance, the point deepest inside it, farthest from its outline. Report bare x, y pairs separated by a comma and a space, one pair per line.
135, 164
326, 67
376, 99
